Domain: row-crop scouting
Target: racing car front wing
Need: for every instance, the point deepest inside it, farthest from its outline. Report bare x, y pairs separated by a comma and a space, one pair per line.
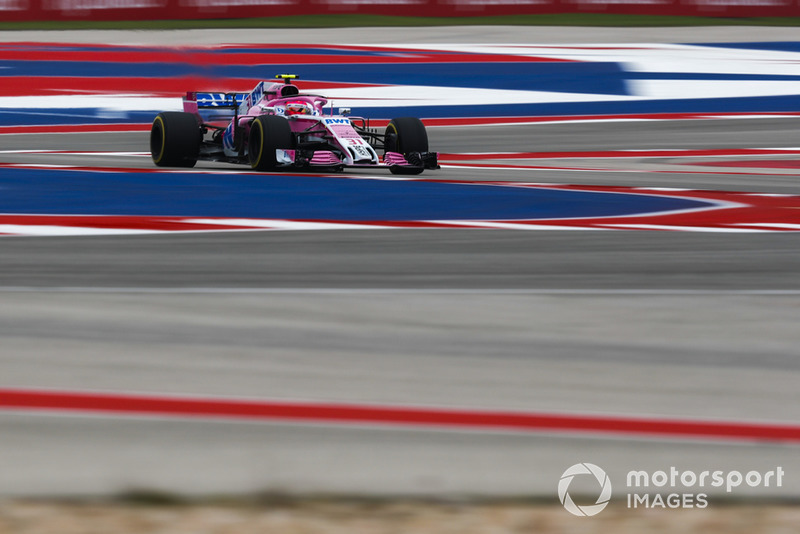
413, 163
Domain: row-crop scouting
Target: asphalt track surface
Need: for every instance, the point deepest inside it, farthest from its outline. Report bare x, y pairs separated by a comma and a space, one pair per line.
646, 324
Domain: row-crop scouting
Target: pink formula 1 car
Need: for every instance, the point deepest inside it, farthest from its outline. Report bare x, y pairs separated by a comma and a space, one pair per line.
276, 127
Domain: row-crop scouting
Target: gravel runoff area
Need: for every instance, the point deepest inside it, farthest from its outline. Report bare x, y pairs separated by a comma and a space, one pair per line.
356, 517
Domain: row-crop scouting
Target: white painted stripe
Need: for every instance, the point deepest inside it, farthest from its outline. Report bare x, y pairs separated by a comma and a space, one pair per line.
646, 57
106, 104
665, 189
44, 230
276, 224
511, 226
785, 226
25, 151
40, 165
690, 89
676, 228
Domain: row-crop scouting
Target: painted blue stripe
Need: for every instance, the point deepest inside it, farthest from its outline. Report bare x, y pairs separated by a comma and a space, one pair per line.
98, 69
590, 78
19, 117
34, 191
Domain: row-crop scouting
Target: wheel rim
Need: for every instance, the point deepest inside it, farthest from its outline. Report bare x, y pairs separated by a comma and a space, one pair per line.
392, 142
157, 140
256, 145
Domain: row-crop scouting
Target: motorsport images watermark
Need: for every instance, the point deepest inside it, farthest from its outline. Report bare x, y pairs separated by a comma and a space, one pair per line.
670, 488
602, 480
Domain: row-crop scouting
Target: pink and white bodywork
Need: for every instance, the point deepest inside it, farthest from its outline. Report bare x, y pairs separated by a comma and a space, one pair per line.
276, 127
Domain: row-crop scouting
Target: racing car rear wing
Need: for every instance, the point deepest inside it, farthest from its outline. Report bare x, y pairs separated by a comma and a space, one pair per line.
194, 101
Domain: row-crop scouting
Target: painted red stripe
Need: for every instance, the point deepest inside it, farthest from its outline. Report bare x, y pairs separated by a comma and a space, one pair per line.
593, 169
121, 222
151, 87
195, 407
75, 128
683, 153
471, 121
101, 128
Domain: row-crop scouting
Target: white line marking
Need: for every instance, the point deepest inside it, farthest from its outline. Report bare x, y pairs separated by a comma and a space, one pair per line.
708, 229
512, 226
277, 224
787, 226
664, 189
45, 230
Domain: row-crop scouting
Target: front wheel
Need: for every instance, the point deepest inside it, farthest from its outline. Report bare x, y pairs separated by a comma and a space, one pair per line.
268, 133
406, 135
175, 139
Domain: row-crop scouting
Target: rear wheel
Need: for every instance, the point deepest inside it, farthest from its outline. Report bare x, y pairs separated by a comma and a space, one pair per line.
406, 135
175, 139
268, 133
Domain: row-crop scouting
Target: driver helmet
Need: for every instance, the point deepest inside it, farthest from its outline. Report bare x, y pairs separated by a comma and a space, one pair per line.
298, 107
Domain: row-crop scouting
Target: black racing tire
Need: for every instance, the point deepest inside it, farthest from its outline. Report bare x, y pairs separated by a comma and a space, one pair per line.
175, 139
268, 133
406, 135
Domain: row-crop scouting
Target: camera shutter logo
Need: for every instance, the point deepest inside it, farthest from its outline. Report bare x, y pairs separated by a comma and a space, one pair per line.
584, 469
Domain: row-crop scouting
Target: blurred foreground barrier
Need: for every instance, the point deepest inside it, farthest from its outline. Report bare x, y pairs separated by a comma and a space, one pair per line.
41, 10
